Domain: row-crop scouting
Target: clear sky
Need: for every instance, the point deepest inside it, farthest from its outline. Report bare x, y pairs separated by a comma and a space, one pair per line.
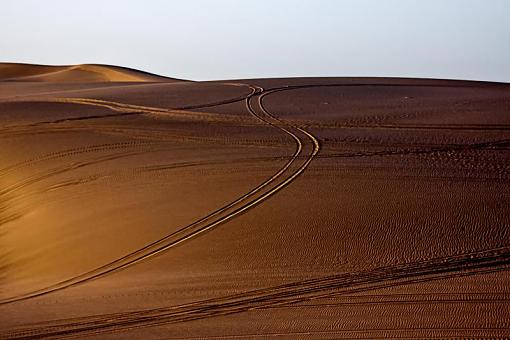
222, 39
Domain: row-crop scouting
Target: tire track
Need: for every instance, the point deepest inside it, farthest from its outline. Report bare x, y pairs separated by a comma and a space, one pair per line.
13, 197
72, 152
124, 145
11, 211
123, 109
10, 198
169, 166
220, 216
184, 107
53, 172
275, 297
155, 168
347, 125
132, 109
143, 134
402, 299
9, 189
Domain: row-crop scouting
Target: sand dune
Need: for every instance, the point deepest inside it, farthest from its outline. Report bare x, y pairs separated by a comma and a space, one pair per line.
74, 74
293, 208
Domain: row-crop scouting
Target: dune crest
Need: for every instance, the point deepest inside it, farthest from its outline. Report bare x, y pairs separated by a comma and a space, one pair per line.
75, 74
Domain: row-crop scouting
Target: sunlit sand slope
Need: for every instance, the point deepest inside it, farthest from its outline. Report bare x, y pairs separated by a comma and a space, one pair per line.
74, 73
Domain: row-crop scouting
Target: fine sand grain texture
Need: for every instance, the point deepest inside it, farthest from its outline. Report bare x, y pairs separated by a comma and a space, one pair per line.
137, 206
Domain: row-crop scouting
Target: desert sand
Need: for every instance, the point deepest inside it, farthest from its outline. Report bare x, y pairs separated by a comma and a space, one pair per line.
138, 206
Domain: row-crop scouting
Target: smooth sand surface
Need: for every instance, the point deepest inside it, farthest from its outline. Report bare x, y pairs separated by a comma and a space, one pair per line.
138, 206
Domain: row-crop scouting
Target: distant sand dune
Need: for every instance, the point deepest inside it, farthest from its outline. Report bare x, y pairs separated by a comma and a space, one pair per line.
75, 74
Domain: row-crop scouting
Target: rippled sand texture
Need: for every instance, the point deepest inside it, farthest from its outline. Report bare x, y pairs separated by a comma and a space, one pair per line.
138, 206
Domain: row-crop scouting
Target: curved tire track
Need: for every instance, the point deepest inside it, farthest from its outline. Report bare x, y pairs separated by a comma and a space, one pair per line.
220, 216
71, 152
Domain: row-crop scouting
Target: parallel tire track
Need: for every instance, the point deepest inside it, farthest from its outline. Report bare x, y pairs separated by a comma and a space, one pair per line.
66, 168
257, 195
72, 152
278, 296
121, 110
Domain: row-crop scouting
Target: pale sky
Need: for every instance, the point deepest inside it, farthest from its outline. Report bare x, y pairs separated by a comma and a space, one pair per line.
225, 39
